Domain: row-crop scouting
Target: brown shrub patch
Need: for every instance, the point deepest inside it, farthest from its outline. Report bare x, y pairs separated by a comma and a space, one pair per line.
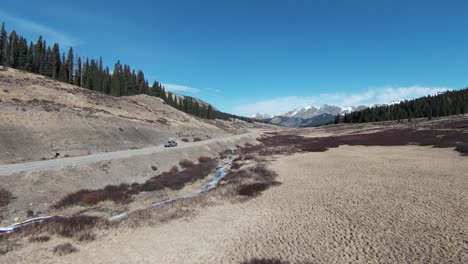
235, 166
185, 140
39, 239
162, 121
5, 196
64, 249
265, 261
86, 237
185, 163
204, 159
68, 227
287, 144
7, 244
173, 179
253, 189
118, 194
262, 179
197, 139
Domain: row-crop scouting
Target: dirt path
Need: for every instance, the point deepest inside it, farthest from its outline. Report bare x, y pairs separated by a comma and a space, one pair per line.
72, 161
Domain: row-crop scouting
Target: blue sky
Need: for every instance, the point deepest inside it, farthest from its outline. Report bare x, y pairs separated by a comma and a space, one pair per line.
267, 56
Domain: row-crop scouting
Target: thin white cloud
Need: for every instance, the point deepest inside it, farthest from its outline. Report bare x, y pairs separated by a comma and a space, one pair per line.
381, 95
180, 88
51, 35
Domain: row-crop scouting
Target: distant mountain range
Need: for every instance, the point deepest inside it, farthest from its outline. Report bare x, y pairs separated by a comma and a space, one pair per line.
308, 116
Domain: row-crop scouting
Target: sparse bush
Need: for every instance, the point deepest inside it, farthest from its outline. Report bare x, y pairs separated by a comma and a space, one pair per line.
265, 261
264, 174
6, 244
185, 140
86, 237
68, 227
154, 168
204, 159
174, 169
235, 166
162, 121
5, 196
197, 139
90, 199
64, 249
173, 179
185, 163
39, 239
118, 194
253, 189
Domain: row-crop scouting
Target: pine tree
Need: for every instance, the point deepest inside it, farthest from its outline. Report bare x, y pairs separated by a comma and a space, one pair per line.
48, 63
38, 56
23, 53
77, 76
3, 45
56, 61
29, 58
70, 63
115, 81
63, 70
13, 50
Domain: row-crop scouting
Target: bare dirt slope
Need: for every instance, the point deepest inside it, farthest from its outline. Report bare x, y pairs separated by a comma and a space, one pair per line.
40, 116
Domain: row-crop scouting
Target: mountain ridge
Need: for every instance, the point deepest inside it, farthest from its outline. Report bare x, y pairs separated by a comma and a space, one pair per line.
308, 115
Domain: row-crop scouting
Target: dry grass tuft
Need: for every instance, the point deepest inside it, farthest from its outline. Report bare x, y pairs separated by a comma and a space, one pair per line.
64, 249
39, 239
7, 244
69, 227
5, 196
86, 237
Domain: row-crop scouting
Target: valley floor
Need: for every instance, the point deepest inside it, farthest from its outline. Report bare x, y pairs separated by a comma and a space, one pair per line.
351, 204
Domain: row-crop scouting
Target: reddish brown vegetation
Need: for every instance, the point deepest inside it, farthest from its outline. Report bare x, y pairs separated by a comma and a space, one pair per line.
284, 144
265, 261
185, 163
68, 227
262, 178
204, 159
117, 194
235, 166
253, 189
174, 180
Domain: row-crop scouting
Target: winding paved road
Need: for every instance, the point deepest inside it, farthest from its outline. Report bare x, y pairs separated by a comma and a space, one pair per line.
72, 161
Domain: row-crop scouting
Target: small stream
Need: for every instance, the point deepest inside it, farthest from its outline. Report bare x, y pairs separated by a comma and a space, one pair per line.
219, 174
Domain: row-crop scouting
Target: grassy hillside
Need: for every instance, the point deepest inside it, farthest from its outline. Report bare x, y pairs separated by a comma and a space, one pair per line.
41, 117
